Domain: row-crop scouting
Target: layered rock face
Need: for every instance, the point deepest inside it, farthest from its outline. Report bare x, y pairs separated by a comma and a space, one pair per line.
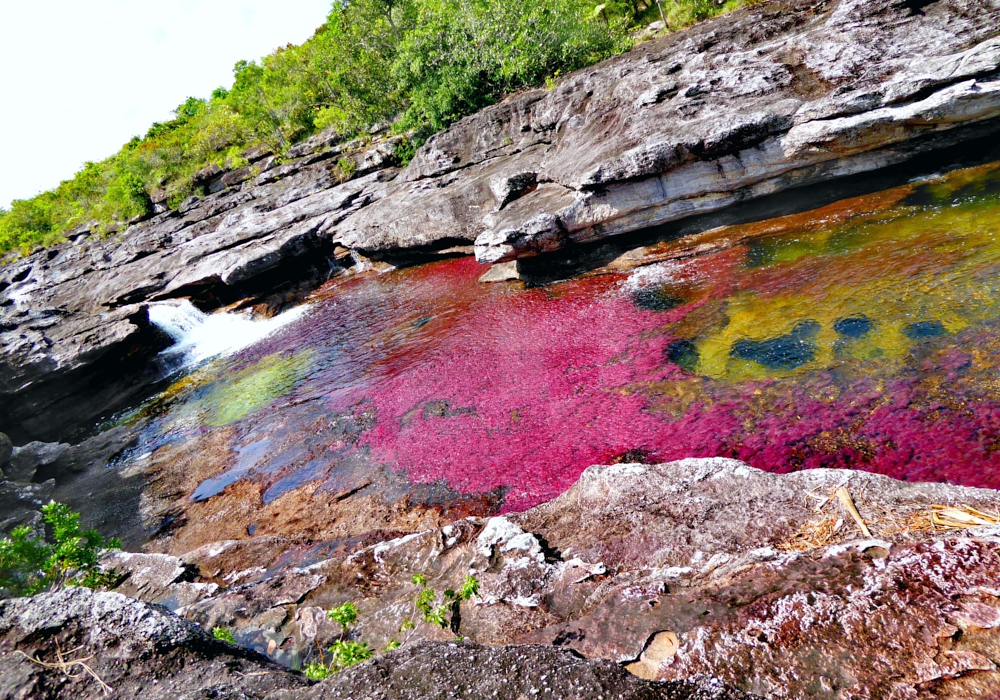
764, 100
774, 97
704, 566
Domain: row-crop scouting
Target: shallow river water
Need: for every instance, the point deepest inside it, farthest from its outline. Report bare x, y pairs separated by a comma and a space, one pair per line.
864, 335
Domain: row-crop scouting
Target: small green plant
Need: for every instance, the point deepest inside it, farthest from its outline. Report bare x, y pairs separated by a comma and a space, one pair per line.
344, 169
224, 634
428, 606
404, 152
30, 564
318, 671
344, 653
553, 80
440, 610
344, 615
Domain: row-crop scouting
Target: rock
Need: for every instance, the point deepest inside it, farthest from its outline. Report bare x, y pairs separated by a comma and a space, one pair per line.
20, 504
137, 650
108, 641
705, 566
740, 107
735, 109
468, 671
75, 336
27, 460
6, 450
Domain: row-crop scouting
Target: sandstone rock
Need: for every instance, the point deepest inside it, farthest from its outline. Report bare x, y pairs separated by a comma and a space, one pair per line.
468, 671
135, 650
706, 566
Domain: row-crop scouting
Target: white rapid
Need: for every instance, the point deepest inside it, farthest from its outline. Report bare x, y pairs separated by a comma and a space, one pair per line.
199, 336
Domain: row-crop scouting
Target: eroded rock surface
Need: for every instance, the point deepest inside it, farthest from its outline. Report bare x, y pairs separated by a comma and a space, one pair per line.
703, 566
77, 643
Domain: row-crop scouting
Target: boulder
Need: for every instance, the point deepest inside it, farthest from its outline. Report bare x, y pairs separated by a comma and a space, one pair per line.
78, 643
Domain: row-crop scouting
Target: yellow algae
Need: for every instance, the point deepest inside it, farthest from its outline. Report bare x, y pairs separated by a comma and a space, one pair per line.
898, 277
251, 389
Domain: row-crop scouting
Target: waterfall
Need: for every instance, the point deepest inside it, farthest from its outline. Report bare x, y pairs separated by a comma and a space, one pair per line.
198, 336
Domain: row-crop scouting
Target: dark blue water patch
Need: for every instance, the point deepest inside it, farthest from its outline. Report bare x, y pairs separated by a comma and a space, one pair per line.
853, 326
297, 477
655, 299
782, 353
249, 456
683, 353
924, 329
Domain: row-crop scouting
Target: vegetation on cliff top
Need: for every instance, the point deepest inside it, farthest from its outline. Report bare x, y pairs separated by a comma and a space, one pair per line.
415, 64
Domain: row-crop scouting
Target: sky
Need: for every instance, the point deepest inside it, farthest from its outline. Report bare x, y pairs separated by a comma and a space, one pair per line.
79, 78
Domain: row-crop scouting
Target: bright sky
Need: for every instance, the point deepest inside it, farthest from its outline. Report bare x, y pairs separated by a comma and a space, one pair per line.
78, 78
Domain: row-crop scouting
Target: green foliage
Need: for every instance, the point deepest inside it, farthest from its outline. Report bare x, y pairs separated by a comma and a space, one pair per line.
344, 169
462, 55
30, 564
318, 671
404, 152
344, 615
437, 609
223, 634
416, 65
344, 654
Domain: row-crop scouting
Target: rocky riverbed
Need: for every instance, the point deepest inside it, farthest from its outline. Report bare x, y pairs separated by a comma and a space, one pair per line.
732, 111
818, 584
698, 578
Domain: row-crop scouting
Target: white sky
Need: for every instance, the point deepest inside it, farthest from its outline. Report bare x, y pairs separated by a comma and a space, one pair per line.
78, 78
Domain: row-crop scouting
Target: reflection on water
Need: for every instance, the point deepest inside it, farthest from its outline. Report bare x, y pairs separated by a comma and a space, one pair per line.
864, 335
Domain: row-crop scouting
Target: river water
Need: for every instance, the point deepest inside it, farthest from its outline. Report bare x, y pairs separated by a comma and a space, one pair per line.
863, 335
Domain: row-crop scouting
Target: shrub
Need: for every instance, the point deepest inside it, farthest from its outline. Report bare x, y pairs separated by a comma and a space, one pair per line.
30, 564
